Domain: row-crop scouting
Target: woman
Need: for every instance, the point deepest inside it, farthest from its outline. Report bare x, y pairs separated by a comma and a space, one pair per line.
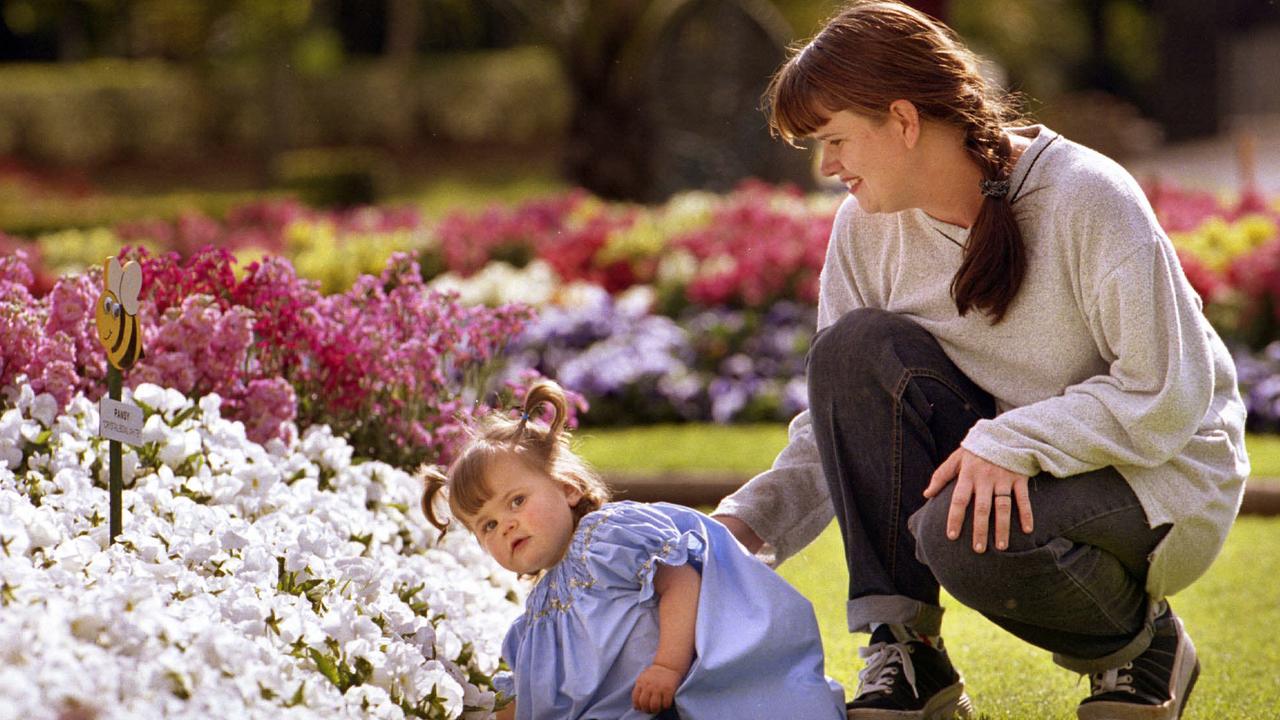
1013, 392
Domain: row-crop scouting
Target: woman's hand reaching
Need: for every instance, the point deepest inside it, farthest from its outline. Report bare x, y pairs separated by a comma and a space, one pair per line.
993, 491
742, 531
655, 689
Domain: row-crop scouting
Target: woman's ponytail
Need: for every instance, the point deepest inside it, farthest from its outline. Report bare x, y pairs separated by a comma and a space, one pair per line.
995, 257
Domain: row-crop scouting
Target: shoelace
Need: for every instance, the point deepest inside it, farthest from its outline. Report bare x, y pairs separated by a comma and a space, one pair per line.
1112, 681
878, 674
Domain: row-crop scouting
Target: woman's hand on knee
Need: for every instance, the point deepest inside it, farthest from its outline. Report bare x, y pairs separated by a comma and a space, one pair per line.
993, 491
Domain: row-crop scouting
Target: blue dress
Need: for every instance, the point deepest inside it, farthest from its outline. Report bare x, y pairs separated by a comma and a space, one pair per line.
591, 625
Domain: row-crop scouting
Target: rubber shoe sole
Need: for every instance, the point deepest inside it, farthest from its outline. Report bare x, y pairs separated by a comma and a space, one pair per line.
949, 703
1186, 668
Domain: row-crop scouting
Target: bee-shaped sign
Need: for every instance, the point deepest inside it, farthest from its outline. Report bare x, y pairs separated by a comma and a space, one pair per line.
117, 313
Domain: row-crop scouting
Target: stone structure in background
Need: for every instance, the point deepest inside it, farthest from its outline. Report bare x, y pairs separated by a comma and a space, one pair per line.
666, 93
708, 65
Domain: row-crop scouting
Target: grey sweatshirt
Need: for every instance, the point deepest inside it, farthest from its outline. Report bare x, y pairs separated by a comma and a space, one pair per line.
1103, 359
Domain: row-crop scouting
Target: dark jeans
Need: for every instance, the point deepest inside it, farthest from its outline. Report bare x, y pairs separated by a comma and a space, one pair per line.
888, 407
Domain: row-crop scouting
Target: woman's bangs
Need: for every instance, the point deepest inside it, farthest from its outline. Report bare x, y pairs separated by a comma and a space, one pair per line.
798, 104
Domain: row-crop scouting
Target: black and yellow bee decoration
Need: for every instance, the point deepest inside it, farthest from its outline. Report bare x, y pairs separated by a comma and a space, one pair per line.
117, 313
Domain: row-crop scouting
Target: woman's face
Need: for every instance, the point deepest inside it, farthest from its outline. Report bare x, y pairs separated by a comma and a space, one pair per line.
527, 522
869, 157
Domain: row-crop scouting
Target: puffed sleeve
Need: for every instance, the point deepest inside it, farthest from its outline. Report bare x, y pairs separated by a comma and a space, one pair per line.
629, 540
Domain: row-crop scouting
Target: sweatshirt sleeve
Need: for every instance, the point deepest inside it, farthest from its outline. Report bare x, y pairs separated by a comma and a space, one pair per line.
789, 505
1149, 328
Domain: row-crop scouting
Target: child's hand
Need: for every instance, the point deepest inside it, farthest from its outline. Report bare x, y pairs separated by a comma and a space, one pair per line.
655, 689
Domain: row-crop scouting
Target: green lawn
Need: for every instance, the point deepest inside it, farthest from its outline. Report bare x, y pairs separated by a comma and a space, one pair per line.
751, 448
739, 448
1230, 612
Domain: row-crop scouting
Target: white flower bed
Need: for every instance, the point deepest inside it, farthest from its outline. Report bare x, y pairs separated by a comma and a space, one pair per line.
250, 581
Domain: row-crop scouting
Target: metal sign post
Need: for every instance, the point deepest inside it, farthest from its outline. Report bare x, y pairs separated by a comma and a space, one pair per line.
116, 316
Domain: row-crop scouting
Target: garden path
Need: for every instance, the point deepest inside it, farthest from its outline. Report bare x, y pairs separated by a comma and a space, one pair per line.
1214, 163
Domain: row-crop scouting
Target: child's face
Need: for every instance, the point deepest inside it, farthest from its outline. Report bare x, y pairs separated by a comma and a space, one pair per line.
527, 523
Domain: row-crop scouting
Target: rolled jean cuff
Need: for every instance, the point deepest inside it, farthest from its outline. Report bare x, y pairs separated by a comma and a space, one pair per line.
1133, 649
894, 609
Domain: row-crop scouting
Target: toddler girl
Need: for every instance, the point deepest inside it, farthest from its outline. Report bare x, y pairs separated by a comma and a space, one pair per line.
638, 609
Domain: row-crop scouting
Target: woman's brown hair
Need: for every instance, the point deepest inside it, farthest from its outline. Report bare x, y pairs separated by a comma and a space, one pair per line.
873, 53
543, 447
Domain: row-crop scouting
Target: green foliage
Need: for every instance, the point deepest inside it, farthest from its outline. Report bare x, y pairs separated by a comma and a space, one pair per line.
513, 96
102, 110
1042, 44
31, 214
807, 16
333, 178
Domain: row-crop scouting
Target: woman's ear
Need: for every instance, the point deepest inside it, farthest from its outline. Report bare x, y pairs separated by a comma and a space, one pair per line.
906, 120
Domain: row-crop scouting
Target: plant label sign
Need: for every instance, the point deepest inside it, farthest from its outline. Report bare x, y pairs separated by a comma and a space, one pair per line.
119, 421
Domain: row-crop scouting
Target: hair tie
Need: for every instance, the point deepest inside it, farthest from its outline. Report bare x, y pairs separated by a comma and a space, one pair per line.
994, 188
524, 417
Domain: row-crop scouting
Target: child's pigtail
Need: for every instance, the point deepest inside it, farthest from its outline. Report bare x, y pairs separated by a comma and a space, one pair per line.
436, 482
545, 391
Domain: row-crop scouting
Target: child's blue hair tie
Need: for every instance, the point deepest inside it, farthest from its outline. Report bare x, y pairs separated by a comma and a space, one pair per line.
524, 417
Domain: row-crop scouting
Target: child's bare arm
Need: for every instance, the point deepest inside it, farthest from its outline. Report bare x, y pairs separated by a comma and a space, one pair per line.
678, 588
507, 713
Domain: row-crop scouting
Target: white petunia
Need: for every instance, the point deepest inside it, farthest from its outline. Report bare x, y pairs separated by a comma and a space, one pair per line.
211, 408
29, 430
154, 430
25, 395
367, 701
44, 407
41, 529
201, 548
10, 456
185, 615
162, 400
74, 554
433, 676
179, 446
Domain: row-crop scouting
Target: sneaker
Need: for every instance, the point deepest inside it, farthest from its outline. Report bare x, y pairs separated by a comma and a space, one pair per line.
907, 679
1154, 686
